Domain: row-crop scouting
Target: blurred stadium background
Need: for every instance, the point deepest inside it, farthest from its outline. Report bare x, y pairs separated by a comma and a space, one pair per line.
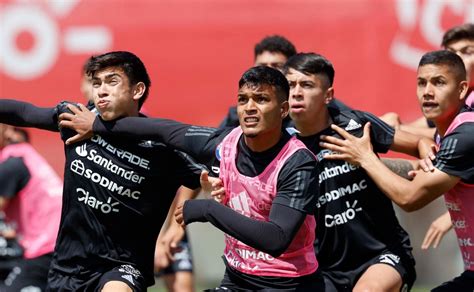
195, 52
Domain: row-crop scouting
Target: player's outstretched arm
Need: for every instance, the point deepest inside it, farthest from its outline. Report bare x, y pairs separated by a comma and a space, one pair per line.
272, 237
23, 114
411, 144
409, 195
437, 230
184, 137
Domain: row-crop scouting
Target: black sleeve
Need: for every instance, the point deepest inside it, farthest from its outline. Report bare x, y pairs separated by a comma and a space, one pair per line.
22, 114
297, 183
272, 237
381, 134
197, 141
14, 176
455, 154
185, 170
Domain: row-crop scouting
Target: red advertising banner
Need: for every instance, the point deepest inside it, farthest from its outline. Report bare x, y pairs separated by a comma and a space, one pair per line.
195, 51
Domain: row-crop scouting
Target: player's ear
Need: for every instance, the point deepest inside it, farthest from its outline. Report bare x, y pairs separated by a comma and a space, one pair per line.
463, 87
329, 95
138, 90
284, 109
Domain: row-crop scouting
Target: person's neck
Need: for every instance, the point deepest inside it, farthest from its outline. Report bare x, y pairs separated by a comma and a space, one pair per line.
313, 126
262, 142
442, 125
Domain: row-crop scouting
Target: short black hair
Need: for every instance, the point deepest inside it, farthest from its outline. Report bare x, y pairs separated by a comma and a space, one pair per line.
131, 65
311, 63
263, 75
447, 58
457, 33
275, 44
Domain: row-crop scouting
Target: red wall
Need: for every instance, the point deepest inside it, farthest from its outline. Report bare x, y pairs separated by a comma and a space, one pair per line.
196, 51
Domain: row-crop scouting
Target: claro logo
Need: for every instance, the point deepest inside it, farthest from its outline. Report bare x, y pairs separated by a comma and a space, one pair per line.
344, 217
94, 203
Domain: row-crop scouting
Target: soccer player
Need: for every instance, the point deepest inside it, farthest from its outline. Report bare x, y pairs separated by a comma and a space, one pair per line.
30, 196
359, 242
460, 40
267, 175
441, 91
116, 191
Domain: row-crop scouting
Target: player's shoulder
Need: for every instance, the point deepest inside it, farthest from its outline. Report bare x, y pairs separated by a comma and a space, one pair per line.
348, 119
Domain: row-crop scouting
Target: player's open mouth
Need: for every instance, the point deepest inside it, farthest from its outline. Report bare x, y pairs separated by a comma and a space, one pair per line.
429, 105
251, 120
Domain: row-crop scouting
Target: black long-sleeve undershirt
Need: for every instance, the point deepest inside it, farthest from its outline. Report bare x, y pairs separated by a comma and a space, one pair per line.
168, 131
273, 236
23, 114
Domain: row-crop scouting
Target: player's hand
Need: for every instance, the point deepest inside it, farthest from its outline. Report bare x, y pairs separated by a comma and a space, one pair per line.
437, 230
81, 121
351, 149
426, 164
167, 246
178, 214
212, 187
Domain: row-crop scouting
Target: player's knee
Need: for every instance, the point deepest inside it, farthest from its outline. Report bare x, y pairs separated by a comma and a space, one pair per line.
368, 286
183, 282
116, 286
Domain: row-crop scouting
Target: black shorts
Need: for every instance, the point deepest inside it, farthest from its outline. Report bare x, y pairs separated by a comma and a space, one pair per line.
463, 283
29, 273
236, 281
345, 281
183, 259
95, 281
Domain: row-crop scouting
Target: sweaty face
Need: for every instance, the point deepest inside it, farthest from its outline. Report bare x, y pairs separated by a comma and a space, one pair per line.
112, 94
439, 92
274, 60
309, 95
465, 50
260, 113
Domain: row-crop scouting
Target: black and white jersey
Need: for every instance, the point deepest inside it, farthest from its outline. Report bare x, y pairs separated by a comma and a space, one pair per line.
355, 220
117, 193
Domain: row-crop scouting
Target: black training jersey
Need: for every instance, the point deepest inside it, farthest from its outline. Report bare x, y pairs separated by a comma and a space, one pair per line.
117, 193
355, 220
455, 155
202, 143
